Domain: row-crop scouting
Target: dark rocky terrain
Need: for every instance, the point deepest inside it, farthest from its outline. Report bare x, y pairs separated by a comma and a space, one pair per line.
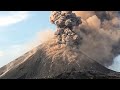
86, 75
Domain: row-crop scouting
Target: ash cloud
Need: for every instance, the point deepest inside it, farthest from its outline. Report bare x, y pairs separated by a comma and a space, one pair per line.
100, 31
108, 19
107, 23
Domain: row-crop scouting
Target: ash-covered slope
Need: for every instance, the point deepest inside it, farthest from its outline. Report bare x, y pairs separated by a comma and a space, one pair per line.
49, 61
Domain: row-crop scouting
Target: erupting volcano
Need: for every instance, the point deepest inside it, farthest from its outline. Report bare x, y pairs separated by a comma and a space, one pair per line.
83, 46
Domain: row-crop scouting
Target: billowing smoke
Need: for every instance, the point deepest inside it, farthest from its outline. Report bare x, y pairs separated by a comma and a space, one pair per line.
108, 23
108, 19
100, 35
84, 14
99, 31
94, 22
45, 35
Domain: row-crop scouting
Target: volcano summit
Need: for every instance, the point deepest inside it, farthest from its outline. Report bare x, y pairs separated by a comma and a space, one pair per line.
87, 59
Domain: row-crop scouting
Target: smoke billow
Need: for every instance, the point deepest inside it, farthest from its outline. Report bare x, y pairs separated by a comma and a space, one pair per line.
100, 36
94, 22
108, 19
99, 30
84, 14
107, 23
45, 35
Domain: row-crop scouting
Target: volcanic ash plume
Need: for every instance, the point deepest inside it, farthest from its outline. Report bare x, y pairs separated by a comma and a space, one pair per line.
66, 21
108, 19
94, 32
84, 41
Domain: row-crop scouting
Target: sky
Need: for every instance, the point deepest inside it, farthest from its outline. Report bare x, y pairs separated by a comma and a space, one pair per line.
19, 30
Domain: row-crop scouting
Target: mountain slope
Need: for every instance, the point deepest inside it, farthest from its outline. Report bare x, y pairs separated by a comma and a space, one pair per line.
50, 61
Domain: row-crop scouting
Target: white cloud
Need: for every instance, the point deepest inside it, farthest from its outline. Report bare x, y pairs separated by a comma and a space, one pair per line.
116, 64
13, 17
1, 54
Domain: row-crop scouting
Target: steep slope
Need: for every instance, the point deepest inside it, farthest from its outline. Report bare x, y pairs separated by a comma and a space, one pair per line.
40, 65
49, 61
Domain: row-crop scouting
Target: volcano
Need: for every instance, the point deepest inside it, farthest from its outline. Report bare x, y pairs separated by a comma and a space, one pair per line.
48, 61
